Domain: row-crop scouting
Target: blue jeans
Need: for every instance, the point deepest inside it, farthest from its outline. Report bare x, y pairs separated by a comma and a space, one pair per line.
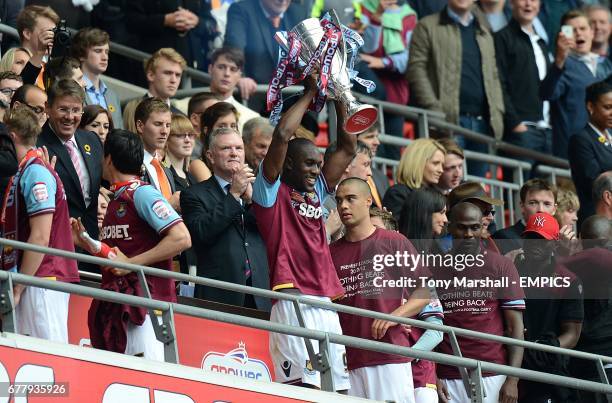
479, 125
533, 139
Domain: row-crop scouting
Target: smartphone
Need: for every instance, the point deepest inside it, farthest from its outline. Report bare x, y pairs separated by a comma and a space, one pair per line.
568, 31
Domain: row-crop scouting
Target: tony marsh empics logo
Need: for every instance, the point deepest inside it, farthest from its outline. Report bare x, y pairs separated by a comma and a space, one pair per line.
237, 362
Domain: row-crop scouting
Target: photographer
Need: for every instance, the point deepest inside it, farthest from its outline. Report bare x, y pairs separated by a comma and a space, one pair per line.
35, 25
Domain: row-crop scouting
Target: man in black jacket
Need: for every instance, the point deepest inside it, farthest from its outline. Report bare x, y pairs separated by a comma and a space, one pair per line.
216, 211
522, 58
8, 158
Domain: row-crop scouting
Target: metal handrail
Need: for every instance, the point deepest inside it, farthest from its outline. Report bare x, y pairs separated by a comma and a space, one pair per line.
312, 334
122, 50
553, 172
299, 299
432, 118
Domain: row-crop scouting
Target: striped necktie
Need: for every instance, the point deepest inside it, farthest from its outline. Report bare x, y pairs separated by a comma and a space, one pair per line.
76, 162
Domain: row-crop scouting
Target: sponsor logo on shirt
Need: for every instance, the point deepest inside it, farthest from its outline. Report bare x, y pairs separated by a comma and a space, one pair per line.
160, 208
310, 211
115, 232
40, 193
236, 362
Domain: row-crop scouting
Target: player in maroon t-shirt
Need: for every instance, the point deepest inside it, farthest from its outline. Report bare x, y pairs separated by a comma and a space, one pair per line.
375, 375
489, 308
35, 211
144, 229
288, 193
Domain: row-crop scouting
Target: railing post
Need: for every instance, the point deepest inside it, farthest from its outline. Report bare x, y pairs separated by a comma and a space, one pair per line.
457, 351
601, 370
381, 118
7, 305
312, 356
186, 83
423, 126
476, 390
168, 336
323, 365
164, 332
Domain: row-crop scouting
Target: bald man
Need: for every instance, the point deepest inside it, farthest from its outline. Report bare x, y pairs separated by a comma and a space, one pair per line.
596, 231
594, 266
602, 194
487, 309
357, 258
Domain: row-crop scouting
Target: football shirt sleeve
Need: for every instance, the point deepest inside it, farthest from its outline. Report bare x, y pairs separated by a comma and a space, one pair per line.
38, 187
154, 209
264, 192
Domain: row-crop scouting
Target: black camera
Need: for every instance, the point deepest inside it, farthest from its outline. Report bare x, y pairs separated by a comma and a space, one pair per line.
61, 40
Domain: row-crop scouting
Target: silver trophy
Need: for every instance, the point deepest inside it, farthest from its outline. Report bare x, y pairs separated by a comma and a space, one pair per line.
309, 32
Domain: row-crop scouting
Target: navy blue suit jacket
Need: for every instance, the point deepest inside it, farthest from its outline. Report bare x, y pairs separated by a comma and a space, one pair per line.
588, 158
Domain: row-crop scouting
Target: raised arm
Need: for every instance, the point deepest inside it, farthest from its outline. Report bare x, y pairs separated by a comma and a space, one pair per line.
289, 123
344, 154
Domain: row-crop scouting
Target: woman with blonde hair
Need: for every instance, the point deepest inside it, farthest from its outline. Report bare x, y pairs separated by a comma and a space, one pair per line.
178, 151
221, 114
567, 208
421, 165
14, 59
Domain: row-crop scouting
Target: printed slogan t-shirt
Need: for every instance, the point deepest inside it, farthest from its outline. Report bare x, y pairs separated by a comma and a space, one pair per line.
478, 308
355, 265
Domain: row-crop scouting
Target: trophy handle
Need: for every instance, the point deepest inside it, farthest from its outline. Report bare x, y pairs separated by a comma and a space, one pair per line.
341, 46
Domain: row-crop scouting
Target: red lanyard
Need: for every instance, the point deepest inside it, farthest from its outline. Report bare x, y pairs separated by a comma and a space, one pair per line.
118, 185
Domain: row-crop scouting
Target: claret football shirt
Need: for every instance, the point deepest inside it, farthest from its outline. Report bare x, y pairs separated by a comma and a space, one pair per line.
291, 225
478, 308
355, 265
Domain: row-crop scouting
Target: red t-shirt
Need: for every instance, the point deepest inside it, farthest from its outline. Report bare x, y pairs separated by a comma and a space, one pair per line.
291, 225
355, 265
478, 308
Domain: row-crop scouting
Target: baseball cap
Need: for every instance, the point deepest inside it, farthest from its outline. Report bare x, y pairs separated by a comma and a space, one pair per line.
544, 225
470, 190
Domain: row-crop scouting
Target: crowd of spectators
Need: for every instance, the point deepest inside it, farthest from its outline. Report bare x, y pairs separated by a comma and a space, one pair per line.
206, 185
